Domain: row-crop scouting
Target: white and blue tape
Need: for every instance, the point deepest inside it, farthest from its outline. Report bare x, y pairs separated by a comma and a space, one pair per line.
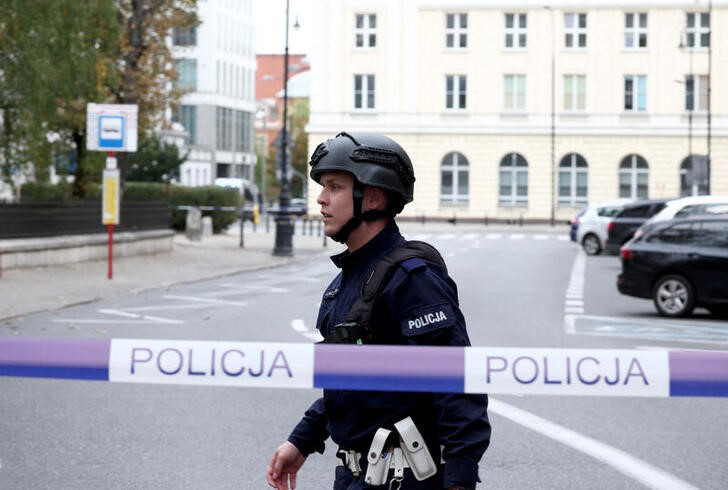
544, 371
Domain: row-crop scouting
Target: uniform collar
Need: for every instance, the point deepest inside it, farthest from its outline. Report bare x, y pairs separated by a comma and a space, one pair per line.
386, 240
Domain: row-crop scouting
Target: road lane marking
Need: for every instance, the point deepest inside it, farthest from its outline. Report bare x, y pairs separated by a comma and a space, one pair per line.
630, 466
300, 326
157, 319
661, 329
210, 301
574, 301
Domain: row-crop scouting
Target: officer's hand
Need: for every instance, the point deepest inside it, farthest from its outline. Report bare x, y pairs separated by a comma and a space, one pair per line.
283, 466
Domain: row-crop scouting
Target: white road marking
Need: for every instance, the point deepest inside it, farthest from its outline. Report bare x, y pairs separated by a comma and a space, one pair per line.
517, 236
244, 288
315, 336
210, 301
540, 237
164, 307
298, 325
563, 238
574, 301
493, 236
630, 466
470, 236
135, 318
446, 236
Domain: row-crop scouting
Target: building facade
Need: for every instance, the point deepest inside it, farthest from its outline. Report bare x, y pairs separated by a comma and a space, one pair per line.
525, 109
215, 63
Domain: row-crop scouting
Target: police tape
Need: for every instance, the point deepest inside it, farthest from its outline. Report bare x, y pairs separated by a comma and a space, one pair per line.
536, 371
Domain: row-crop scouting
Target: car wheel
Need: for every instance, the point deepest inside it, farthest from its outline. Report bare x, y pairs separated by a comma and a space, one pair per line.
591, 244
673, 296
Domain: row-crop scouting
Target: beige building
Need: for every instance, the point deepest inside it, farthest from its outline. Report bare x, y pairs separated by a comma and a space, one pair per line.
525, 109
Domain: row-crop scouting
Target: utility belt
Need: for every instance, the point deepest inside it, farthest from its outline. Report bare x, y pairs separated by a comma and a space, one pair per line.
393, 451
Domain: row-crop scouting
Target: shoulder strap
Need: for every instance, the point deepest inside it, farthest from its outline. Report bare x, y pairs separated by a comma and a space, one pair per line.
361, 310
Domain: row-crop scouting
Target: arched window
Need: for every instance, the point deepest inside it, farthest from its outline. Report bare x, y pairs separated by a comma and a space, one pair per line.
513, 180
633, 177
573, 180
694, 176
454, 173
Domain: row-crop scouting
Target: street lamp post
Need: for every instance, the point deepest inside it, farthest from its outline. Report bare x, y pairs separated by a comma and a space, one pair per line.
284, 224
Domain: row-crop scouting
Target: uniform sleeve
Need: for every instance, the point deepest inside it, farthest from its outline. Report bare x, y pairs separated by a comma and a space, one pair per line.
310, 433
429, 314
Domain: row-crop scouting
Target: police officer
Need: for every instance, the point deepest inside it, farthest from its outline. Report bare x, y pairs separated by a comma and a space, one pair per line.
367, 179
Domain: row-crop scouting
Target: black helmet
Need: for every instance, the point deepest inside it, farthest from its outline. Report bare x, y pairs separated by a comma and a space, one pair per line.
373, 159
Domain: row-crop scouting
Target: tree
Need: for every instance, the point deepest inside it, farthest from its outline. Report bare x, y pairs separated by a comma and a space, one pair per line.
154, 161
55, 56
145, 61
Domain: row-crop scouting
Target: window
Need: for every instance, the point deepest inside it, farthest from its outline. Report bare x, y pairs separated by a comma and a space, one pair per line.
697, 33
513, 180
366, 31
633, 177
187, 117
456, 30
184, 36
514, 92
454, 174
574, 92
641, 211
224, 128
635, 93
363, 92
694, 176
635, 30
186, 74
676, 234
574, 30
456, 90
516, 31
696, 85
573, 180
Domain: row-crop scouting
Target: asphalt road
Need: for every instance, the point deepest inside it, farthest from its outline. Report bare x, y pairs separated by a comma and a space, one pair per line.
516, 290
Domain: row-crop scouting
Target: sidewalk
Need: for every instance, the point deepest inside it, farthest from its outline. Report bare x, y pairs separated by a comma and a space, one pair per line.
29, 290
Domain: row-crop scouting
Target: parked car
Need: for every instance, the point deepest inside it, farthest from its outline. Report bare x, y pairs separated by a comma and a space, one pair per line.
623, 226
591, 224
680, 264
296, 206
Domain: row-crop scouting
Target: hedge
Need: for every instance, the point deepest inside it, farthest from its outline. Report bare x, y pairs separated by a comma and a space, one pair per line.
175, 195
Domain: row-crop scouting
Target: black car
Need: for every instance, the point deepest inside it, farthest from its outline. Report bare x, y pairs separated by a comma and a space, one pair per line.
679, 264
623, 226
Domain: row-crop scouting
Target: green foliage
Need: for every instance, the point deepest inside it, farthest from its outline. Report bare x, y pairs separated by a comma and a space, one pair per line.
41, 192
57, 56
146, 191
205, 196
154, 161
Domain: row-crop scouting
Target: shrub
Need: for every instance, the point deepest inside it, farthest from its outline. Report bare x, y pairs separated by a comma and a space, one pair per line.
205, 196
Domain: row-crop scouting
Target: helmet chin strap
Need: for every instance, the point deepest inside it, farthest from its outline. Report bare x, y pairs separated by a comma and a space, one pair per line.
372, 215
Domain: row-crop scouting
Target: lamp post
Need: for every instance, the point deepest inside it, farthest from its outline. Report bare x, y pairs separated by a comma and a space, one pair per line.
284, 224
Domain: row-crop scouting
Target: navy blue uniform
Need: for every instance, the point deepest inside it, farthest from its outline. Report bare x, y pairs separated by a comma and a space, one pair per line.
418, 306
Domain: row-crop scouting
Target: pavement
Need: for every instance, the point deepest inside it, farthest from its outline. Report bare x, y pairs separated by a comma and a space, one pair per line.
24, 291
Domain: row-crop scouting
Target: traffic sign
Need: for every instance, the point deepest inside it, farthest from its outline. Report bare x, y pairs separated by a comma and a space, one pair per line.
111, 127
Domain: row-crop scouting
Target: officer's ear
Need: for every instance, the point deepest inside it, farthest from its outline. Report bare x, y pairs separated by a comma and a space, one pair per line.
374, 199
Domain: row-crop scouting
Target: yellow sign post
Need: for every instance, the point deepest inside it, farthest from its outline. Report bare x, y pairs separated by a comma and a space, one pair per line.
110, 205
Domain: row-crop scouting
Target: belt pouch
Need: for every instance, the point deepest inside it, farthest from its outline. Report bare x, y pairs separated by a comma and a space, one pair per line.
378, 459
415, 450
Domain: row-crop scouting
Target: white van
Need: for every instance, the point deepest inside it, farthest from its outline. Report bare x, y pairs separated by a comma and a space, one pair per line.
693, 205
687, 206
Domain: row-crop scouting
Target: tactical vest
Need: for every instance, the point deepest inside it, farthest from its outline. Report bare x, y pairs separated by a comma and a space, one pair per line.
357, 328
